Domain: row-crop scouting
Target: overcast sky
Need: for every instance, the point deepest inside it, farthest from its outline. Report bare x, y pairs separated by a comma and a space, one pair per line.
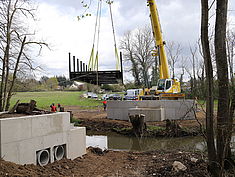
58, 25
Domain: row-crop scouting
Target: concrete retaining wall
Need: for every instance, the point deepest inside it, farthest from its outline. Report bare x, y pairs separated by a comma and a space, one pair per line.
155, 110
22, 137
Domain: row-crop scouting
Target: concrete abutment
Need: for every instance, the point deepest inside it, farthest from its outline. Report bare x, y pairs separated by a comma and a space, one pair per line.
154, 110
41, 139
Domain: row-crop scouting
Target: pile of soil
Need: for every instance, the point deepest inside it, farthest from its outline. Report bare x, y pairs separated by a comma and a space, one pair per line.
13, 115
6, 115
110, 163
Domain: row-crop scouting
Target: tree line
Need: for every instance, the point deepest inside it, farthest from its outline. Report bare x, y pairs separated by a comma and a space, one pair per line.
188, 68
43, 84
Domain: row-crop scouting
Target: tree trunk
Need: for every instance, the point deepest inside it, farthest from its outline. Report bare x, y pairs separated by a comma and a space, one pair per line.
223, 121
14, 75
138, 124
6, 57
209, 90
26, 108
135, 72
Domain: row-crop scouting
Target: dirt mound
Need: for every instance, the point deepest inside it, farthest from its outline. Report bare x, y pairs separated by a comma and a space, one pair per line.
112, 163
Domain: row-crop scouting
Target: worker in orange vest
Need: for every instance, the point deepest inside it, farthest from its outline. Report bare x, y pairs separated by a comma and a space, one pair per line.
53, 107
105, 104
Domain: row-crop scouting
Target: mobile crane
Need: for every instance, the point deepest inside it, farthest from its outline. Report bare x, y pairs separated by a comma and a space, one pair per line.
167, 87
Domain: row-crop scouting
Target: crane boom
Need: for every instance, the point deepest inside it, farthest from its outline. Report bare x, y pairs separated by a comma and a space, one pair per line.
163, 64
167, 87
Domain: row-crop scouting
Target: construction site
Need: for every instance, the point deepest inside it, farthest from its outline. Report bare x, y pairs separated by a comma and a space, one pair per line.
138, 119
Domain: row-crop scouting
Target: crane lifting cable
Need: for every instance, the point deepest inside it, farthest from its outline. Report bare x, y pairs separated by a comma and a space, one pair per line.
118, 67
94, 58
96, 64
93, 62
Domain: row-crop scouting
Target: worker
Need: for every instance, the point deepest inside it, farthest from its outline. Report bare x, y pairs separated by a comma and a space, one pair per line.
53, 107
105, 104
61, 109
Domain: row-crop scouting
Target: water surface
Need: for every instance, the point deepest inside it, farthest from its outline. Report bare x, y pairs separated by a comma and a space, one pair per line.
115, 141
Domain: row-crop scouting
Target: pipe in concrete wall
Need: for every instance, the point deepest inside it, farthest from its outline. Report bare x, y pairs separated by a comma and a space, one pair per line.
59, 152
43, 157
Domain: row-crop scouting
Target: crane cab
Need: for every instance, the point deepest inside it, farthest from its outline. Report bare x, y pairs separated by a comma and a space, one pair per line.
166, 86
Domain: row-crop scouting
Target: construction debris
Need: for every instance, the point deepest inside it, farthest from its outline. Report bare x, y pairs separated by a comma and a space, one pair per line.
27, 108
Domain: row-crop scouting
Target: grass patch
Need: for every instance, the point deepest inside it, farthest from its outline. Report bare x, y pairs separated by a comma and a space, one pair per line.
155, 128
122, 129
76, 122
202, 104
44, 99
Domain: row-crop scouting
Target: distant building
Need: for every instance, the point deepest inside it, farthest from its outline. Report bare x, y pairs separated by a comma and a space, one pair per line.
77, 86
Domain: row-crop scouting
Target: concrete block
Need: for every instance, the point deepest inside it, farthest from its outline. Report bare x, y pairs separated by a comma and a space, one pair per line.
97, 141
27, 150
50, 123
151, 114
54, 140
76, 142
15, 129
170, 114
171, 109
40, 126
10, 152
22, 137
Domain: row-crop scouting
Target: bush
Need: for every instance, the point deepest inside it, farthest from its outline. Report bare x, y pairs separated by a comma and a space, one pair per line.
114, 87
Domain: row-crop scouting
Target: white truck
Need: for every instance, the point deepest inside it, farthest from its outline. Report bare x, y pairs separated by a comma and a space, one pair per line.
132, 94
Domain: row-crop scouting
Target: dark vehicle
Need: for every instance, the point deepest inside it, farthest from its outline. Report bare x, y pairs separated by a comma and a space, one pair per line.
115, 97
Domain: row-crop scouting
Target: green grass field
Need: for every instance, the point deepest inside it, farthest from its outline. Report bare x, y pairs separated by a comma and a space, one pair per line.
202, 104
44, 99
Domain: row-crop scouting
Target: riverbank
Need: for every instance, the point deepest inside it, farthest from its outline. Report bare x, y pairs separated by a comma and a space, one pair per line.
96, 120
116, 163
98, 163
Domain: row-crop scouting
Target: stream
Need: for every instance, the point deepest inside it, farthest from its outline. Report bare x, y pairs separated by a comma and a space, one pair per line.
114, 141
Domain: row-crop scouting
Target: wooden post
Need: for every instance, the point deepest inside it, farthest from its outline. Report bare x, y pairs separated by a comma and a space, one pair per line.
69, 65
77, 65
81, 66
84, 68
121, 66
74, 64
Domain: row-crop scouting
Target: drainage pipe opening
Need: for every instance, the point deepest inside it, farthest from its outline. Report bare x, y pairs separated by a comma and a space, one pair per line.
43, 157
59, 152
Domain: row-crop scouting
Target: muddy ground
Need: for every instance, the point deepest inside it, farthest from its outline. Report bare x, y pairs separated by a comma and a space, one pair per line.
114, 164
110, 163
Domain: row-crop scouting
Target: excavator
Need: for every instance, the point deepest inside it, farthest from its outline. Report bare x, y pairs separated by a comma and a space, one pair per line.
167, 87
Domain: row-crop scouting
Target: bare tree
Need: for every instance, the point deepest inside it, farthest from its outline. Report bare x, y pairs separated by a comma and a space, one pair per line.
126, 46
220, 152
14, 45
210, 87
137, 47
223, 118
230, 42
174, 50
183, 68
